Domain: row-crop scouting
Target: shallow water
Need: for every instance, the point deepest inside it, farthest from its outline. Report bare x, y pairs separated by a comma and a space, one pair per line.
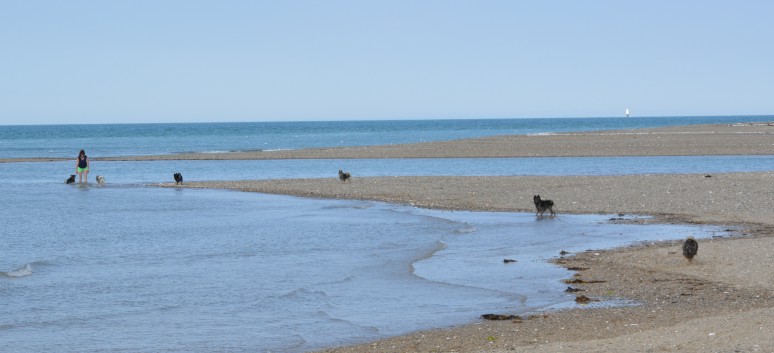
130, 267
161, 171
127, 267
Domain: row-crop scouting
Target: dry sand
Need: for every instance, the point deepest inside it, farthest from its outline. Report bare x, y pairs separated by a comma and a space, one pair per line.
721, 302
719, 198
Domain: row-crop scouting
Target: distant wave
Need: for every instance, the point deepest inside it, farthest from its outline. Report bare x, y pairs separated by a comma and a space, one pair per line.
439, 245
276, 149
215, 152
206, 152
306, 294
466, 229
25, 270
347, 279
236, 151
352, 205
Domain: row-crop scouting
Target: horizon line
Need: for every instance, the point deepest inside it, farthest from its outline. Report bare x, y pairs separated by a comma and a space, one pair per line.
398, 119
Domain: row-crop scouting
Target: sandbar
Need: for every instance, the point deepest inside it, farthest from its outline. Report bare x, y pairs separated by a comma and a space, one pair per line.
722, 301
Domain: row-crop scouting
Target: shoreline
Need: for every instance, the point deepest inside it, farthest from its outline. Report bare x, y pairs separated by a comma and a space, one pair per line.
676, 310
722, 301
727, 198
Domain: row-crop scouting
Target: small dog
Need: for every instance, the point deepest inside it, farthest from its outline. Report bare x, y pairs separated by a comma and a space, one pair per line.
178, 178
71, 179
100, 180
344, 176
690, 248
543, 205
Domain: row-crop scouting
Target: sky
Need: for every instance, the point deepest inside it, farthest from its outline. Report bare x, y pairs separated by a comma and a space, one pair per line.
140, 61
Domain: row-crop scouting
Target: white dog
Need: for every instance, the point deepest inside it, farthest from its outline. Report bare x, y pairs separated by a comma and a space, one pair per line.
100, 179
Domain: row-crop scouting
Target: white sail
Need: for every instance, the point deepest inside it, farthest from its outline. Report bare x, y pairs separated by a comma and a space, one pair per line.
627, 112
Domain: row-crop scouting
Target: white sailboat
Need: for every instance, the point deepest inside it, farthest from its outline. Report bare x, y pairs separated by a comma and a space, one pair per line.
627, 112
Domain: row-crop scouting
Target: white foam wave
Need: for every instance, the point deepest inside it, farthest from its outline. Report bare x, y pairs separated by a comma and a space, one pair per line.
278, 149
439, 245
25, 270
467, 229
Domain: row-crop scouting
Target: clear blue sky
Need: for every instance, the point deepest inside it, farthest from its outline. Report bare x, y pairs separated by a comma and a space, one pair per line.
189, 61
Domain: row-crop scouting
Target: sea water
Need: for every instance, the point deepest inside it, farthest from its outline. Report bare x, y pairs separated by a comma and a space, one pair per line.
150, 139
128, 266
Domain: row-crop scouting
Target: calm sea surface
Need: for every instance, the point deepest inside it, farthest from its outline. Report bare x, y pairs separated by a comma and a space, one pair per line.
149, 139
131, 267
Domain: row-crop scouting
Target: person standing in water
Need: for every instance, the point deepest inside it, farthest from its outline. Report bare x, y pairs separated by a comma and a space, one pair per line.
82, 167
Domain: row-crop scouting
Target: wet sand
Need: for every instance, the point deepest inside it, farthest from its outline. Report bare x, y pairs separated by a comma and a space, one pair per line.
723, 301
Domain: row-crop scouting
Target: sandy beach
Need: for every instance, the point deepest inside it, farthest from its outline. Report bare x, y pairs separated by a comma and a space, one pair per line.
721, 302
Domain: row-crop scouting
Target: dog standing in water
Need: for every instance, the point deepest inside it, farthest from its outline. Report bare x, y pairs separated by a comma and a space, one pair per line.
178, 178
543, 205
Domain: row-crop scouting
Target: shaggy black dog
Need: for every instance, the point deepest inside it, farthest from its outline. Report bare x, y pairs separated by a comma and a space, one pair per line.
71, 179
690, 248
344, 176
178, 178
543, 205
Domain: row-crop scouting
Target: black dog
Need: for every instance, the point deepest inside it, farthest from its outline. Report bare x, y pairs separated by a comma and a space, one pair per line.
178, 178
71, 179
543, 205
690, 248
344, 176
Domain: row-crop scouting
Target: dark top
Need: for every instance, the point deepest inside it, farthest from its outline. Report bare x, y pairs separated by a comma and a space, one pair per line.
82, 162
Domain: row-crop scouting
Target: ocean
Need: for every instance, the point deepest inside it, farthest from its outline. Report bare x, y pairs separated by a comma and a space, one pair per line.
153, 139
132, 267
